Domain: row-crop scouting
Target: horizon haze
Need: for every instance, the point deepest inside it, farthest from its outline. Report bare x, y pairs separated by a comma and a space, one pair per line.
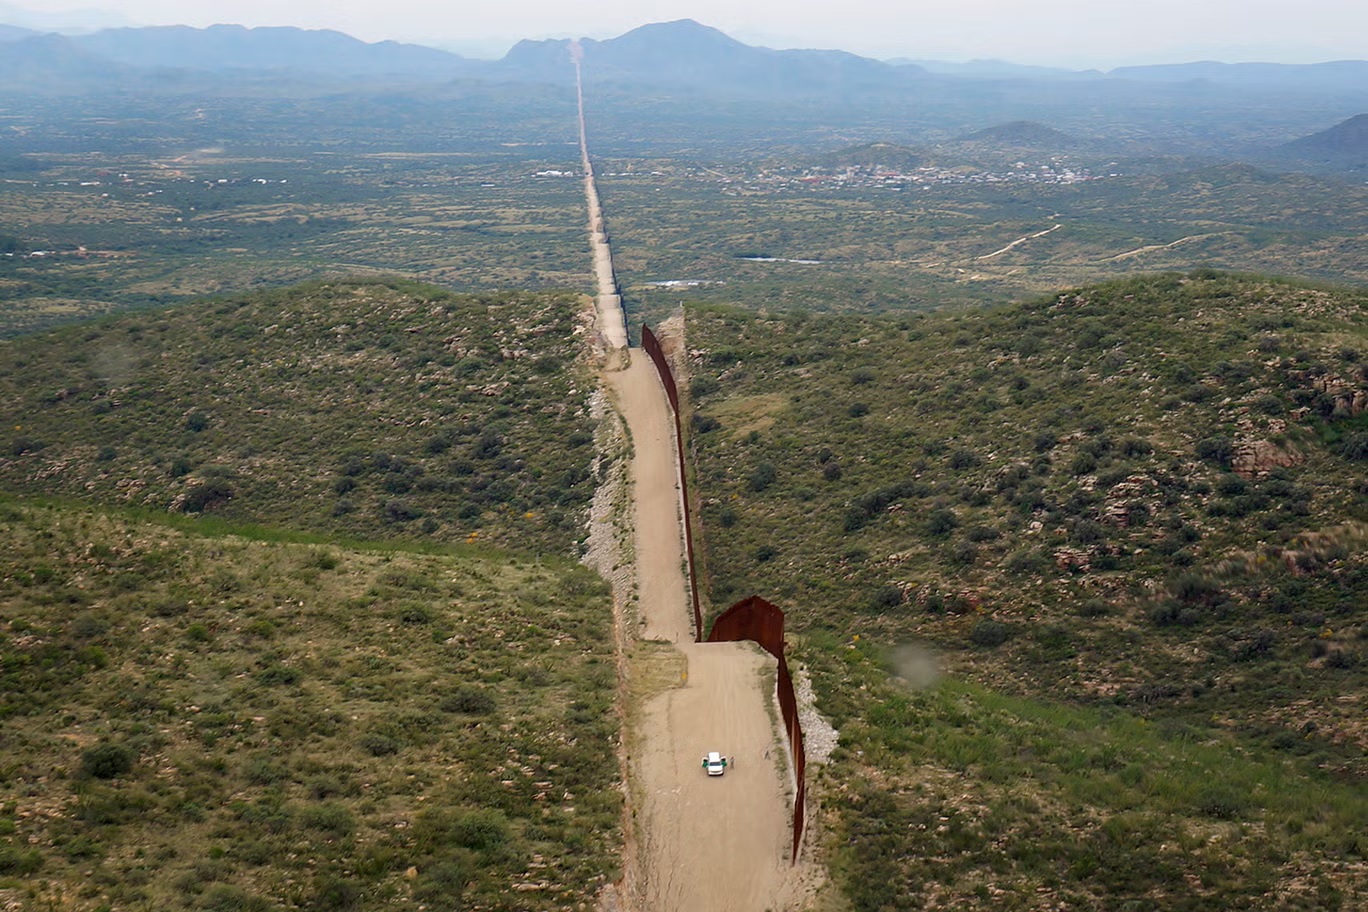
1070, 34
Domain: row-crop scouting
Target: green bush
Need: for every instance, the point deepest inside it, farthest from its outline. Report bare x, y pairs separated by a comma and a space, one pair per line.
470, 701
988, 632
107, 761
19, 862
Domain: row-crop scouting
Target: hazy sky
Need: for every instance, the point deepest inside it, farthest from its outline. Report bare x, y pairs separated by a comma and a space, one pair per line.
1074, 33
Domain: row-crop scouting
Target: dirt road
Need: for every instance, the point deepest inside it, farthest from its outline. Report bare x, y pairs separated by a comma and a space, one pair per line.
705, 843
608, 301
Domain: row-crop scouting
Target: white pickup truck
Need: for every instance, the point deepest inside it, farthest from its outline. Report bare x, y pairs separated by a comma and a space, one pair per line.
715, 763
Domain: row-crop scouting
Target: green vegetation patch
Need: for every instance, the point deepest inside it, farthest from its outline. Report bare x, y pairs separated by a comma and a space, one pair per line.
196, 722
955, 797
382, 408
1145, 497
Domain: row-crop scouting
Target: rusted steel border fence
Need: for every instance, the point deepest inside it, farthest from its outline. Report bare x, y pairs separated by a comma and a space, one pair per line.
749, 619
652, 346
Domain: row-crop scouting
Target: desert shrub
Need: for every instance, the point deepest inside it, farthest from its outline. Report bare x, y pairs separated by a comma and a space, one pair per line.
1083, 463
1195, 588
479, 830
963, 459
887, 596
397, 511
107, 761
1026, 561
1220, 450
1198, 392
88, 626
1133, 447
442, 882
330, 818
1087, 532
964, 553
941, 522
989, 632
1174, 613
379, 745
208, 494
1230, 486
335, 893
702, 424
1094, 607
1269, 404
276, 674
228, 898
1354, 446
762, 477
18, 862
704, 386
470, 701
1222, 802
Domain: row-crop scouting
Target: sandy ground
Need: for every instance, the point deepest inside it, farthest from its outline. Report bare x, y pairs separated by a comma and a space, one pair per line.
706, 844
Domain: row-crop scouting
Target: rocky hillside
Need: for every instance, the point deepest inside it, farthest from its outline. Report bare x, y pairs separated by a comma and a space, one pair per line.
1137, 503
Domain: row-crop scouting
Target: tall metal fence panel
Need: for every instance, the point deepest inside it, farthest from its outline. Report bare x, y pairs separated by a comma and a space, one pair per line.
652, 346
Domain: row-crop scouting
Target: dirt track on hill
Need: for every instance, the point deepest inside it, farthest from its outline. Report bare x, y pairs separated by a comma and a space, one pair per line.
706, 844
702, 843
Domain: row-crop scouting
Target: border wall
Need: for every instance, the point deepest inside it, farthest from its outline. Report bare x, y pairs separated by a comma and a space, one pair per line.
749, 619
652, 346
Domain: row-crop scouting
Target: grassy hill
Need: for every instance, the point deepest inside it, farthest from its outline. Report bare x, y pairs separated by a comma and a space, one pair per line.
204, 714
1127, 521
197, 721
365, 408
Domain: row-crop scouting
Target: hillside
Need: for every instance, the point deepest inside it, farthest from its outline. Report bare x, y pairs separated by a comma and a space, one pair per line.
873, 156
1345, 142
1127, 522
204, 714
197, 721
361, 408
1023, 133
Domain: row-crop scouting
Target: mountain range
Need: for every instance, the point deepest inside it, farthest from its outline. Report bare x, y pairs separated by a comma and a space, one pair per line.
682, 53
688, 60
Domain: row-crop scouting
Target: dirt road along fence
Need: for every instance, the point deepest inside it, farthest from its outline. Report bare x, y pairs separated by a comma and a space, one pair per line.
652, 346
749, 619
758, 620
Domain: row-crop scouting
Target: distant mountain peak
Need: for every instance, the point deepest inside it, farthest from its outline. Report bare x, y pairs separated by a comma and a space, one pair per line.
681, 36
